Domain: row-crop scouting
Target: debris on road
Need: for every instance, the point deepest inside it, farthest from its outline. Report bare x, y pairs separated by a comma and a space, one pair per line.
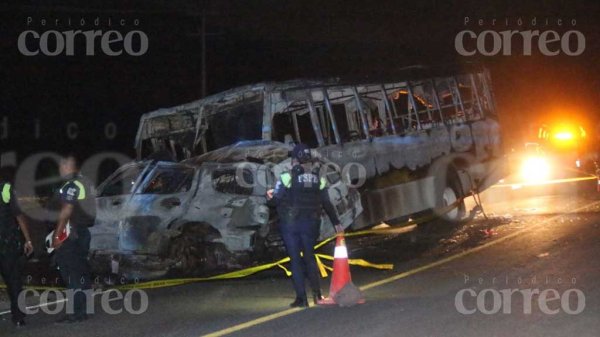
488, 232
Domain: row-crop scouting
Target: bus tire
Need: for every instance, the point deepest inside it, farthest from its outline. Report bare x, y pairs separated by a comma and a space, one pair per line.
451, 192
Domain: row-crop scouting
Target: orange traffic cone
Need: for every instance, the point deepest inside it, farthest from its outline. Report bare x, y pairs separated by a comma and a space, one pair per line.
341, 281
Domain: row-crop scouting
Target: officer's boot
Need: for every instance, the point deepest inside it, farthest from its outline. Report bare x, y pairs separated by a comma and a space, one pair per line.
299, 303
317, 296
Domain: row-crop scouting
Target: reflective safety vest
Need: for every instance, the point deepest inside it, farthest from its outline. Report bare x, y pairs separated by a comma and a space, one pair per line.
79, 192
6, 193
81, 189
304, 191
10, 236
286, 179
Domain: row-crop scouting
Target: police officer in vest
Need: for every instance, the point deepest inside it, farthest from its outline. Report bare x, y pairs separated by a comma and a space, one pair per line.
11, 245
299, 196
77, 203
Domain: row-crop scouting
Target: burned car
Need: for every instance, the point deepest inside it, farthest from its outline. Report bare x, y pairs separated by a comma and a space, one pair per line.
199, 215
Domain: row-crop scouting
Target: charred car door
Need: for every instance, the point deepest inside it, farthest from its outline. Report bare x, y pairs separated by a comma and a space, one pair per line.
161, 198
112, 196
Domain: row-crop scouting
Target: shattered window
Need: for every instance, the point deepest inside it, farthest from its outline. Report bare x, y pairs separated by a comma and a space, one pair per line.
326, 124
235, 124
468, 96
122, 183
400, 100
374, 120
169, 181
307, 131
233, 181
163, 125
448, 98
483, 93
283, 128
341, 121
423, 99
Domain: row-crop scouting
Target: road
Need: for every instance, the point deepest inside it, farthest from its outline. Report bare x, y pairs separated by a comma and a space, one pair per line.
535, 239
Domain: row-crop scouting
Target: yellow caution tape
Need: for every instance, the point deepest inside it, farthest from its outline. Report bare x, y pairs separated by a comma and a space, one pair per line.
322, 267
358, 262
249, 271
230, 275
383, 231
400, 229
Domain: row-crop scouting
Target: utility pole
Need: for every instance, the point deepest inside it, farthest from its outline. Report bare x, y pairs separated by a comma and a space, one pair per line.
200, 31
203, 42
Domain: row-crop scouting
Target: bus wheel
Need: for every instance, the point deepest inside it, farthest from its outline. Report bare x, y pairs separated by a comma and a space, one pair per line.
451, 194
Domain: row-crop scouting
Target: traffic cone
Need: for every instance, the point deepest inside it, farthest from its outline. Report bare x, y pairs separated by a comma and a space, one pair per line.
341, 280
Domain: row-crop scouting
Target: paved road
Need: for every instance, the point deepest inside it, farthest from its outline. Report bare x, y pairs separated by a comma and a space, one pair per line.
549, 238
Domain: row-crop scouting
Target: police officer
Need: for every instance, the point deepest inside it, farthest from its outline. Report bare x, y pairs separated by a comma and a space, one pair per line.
11, 245
299, 196
78, 210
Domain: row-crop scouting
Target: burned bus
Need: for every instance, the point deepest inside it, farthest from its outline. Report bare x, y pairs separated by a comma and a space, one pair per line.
415, 144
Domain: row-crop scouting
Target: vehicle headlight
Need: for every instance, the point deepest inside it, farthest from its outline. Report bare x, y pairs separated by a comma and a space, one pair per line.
535, 169
563, 136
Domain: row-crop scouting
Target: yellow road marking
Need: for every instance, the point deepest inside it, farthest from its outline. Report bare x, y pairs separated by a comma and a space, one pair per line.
253, 322
405, 274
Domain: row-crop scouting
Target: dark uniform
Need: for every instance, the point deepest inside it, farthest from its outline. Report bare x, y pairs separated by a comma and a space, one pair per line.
72, 255
11, 249
300, 196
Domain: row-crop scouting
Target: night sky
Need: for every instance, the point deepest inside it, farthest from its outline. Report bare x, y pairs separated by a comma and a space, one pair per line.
254, 41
